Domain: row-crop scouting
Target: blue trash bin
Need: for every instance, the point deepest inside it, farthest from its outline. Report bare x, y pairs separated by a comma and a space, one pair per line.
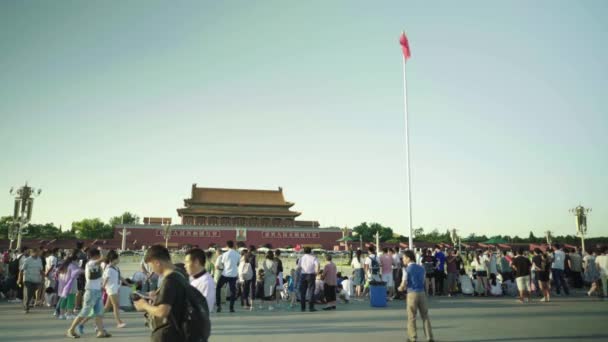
377, 295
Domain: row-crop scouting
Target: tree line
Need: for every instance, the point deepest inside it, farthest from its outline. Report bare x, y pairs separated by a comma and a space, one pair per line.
91, 228
95, 228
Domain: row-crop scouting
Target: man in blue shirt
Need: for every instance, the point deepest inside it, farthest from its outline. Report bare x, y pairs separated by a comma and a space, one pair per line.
413, 281
440, 271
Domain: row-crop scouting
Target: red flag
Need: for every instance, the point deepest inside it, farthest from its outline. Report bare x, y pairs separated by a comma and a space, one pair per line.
405, 46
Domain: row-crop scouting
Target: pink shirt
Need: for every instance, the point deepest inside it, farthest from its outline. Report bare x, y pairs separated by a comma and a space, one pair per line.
331, 275
387, 263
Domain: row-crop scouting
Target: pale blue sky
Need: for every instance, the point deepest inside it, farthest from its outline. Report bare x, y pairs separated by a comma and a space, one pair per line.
111, 106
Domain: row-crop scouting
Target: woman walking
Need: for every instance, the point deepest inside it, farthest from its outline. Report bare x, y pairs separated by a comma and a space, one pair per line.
542, 266
67, 276
270, 277
358, 274
111, 283
592, 275
245, 278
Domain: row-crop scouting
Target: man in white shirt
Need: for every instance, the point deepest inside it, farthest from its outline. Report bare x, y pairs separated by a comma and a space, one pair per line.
308, 265
50, 268
228, 262
557, 269
199, 277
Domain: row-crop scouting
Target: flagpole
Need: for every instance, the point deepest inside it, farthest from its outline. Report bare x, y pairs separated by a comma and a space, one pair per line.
407, 152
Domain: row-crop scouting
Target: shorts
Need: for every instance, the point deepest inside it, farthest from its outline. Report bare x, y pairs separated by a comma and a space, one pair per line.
482, 273
523, 283
92, 304
388, 279
430, 275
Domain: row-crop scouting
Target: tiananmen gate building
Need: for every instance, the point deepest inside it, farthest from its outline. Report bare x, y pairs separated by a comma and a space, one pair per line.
212, 216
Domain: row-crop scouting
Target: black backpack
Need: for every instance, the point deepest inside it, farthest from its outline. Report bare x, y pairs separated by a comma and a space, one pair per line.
195, 326
13, 267
375, 266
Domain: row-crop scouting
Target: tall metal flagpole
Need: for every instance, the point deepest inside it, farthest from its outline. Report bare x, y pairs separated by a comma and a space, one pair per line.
407, 151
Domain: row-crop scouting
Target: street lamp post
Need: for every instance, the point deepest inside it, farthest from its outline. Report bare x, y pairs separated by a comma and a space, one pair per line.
167, 228
455, 238
548, 237
580, 213
22, 213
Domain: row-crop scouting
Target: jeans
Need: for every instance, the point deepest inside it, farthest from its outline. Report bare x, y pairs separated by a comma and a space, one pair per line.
29, 292
92, 304
558, 278
307, 284
218, 293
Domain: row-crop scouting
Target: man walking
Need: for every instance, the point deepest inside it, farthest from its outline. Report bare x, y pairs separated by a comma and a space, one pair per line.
199, 277
308, 266
386, 263
557, 269
413, 281
32, 273
228, 263
576, 267
522, 266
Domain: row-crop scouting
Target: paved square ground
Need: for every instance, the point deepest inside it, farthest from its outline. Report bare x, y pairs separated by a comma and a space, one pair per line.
453, 319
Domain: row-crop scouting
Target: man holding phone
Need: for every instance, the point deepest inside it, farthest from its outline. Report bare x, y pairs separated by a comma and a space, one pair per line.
170, 300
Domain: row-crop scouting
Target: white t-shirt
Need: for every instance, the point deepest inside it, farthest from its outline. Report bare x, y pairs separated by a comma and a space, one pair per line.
205, 285
112, 279
602, 261
51, 262
92, 284
356, 263
309, 264
479, 266
230, 261
347, 286
496, 290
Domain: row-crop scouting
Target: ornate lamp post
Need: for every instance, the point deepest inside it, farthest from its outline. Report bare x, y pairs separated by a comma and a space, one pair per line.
580, 213
167, 228
455, 238
549, 237
22, 213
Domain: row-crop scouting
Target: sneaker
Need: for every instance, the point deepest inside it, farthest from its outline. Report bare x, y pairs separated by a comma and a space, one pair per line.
544, 299
251, 308
72, 334
121, 325
103, 334
61, 317
69, 317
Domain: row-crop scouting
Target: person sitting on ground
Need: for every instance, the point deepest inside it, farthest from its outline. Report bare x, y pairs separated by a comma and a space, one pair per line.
318, 292
466, 283
495, 286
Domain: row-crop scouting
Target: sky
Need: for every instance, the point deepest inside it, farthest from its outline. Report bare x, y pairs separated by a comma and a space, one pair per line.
111, 106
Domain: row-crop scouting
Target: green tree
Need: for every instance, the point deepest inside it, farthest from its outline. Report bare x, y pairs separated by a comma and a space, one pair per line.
125, 218
5, 222
92, 229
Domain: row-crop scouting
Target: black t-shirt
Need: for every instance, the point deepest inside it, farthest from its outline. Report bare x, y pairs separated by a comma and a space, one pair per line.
522, 266
172, 293
544, 265
279, 266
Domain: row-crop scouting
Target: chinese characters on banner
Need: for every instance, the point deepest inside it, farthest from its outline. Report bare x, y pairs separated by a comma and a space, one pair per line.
193, 233
288, 235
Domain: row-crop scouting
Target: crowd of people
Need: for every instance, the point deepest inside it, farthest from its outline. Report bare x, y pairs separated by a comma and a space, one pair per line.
84, 283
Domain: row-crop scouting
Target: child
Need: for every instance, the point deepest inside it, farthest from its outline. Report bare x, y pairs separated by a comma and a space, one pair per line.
92, 304
319, 287
67, 286
259, 289
291, 288
111, 283
495, 286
